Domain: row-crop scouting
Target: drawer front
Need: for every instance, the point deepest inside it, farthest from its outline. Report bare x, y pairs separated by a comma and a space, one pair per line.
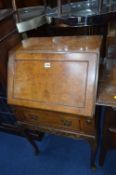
88, 126
56, 120
49, 119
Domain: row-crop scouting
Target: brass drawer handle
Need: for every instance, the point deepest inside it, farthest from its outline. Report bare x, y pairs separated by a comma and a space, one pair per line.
88, 121
66, 122
33, 117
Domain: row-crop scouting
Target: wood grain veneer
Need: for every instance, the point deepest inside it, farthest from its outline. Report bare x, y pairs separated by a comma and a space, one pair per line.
56, 74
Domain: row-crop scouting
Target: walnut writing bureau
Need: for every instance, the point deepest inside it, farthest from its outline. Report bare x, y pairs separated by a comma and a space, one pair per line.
52, 82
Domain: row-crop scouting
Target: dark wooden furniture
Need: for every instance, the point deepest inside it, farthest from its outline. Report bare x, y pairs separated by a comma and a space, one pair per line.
27, 3
108, 133
107, 98
8, 39
53, 83
5, 4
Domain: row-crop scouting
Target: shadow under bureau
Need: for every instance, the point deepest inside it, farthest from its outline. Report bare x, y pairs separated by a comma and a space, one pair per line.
52, 82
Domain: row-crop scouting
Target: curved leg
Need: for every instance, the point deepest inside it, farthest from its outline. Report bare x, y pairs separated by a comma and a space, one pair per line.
29, 138
40, 135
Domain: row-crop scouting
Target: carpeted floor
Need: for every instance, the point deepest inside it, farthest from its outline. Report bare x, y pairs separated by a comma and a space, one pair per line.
59, 156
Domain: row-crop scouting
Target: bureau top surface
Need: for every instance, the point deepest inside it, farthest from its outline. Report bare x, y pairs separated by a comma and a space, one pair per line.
61, 44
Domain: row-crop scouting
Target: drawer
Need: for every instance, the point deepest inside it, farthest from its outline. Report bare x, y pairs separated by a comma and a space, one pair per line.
49, 119
87, 126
